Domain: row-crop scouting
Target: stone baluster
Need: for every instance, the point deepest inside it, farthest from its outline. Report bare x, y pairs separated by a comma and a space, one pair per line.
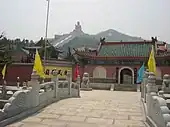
55, 79
78, 84
69, 79
4, 90
34, 83
145, 81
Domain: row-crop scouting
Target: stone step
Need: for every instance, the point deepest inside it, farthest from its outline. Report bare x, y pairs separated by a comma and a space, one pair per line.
127, 85
86, 89
123, 87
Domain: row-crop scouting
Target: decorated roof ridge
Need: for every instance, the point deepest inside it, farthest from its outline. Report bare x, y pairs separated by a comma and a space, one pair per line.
119, 57
90, 55
127, 42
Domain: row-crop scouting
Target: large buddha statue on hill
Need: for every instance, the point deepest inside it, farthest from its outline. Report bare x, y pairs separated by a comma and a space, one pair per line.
78, 28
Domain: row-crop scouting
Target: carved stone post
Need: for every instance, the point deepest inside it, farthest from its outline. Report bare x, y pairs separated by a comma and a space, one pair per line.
34, 83
69, 79
24, 87
18, 82
151, 86
78, 84
55, 79
166, 84
152, 90
145, 81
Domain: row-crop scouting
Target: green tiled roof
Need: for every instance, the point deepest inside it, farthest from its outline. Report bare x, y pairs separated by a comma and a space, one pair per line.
125, 50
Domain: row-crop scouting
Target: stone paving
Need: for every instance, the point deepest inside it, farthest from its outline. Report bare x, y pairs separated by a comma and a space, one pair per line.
94, 109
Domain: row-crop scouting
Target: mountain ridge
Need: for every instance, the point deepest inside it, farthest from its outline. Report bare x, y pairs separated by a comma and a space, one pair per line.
114, 35
77, 38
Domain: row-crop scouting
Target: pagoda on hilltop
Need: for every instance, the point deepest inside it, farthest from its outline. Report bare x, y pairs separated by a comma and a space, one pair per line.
121, 60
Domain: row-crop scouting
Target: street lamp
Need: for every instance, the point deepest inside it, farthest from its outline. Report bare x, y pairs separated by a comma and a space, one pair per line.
46, 30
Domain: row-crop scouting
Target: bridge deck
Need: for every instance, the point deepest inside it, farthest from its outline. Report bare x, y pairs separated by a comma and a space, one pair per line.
93, 109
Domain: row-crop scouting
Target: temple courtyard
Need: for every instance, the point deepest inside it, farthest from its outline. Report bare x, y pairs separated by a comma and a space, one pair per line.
97, 108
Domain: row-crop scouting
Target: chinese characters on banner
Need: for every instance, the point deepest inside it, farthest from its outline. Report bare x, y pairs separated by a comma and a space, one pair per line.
61, 71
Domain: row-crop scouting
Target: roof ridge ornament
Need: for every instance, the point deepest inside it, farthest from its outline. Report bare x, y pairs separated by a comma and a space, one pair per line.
154, 39
102, 40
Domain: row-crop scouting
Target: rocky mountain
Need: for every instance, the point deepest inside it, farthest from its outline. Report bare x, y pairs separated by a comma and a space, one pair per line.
77, 38
113, 35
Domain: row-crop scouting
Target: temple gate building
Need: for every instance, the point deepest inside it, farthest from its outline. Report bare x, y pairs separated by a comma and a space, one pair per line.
121, 60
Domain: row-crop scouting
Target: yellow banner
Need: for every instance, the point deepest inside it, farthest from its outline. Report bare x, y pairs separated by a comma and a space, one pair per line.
62, 71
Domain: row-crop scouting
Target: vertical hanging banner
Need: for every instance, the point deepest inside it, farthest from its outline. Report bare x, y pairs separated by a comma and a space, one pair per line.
62, 71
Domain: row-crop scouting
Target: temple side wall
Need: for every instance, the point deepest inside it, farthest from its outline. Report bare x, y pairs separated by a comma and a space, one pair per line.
24, 70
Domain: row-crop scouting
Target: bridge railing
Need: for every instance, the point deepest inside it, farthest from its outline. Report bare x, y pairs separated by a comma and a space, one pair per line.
30, 99
155, 102
46, 91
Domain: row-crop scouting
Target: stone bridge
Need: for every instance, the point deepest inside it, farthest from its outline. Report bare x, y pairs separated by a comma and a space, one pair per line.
95, 108
60, 103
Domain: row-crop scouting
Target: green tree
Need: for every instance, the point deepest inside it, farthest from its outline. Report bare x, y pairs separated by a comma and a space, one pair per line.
5, 49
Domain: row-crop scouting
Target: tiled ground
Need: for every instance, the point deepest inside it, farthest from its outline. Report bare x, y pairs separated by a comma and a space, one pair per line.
93, 109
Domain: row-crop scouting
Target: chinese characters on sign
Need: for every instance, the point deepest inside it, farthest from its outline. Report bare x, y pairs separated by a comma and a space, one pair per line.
61, 71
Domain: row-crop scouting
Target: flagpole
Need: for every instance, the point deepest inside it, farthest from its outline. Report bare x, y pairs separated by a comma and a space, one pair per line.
46, 31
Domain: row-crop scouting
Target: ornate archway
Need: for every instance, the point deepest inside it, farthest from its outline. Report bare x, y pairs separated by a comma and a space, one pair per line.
99, 72
126, 75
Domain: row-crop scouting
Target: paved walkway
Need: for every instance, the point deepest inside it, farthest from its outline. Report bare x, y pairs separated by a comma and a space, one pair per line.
93, 109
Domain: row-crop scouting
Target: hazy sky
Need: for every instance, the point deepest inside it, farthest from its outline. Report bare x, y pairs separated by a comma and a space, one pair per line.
144, 18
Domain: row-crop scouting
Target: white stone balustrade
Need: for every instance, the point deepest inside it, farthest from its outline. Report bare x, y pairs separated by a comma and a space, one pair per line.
155, 107
31, 99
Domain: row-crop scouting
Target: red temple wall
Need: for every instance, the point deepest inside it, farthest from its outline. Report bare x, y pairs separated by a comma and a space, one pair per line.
110, 70
24, 71
18, 70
